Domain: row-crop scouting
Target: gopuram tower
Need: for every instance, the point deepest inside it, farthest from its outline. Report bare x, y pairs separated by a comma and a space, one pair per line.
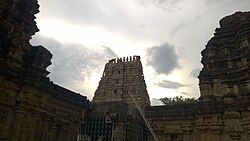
123, 78
114, 114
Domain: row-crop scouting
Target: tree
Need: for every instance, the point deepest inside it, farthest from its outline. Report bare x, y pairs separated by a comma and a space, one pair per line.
177, 100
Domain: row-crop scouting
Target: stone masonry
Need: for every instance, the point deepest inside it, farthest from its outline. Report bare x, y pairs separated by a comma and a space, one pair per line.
122, 77
225, 59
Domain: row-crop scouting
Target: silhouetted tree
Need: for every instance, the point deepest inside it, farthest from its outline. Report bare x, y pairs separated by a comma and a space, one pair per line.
177, 100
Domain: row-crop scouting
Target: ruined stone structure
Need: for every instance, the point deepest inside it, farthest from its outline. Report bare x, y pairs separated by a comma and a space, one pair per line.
221, 114
121, 78
32, 108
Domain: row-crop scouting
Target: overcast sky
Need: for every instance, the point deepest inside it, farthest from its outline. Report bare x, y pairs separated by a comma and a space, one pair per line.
169, 35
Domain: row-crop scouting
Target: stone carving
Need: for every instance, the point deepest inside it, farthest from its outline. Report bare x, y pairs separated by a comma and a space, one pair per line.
126, 76
229, 46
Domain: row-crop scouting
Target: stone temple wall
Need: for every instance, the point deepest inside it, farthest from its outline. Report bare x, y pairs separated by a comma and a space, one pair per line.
222, 113
32, 108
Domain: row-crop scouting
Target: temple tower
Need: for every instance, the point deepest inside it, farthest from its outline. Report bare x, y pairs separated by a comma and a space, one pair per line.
122, 77
225, 59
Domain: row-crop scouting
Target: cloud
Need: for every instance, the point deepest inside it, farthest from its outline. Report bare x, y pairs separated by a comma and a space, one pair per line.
156, 102
178, 28
185, 93
119, 17
169, 5
162, 58
194, 73
170, 85
73, 64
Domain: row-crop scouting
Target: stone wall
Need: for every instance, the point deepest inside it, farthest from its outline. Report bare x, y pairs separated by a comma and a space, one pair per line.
45, 112
209, 121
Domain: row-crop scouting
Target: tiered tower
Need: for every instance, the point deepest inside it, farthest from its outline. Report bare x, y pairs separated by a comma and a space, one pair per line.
226, 67
121, 78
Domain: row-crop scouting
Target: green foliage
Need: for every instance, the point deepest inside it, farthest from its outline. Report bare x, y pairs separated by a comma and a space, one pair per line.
177, 100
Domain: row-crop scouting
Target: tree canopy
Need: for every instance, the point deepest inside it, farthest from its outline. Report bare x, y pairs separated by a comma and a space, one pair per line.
177, 100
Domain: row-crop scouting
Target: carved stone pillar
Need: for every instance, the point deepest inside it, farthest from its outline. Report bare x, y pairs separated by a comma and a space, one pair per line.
35, 119
233, 124
6, 123
203, 129
246, 121
52, 132
46, 133
216, 129
187, 130
20, 113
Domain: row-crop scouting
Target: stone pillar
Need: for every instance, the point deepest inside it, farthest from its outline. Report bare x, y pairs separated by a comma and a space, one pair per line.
46, 127
187, 136
246, 121
7, 122
187, 130
35, 115
20, 113
216, 130
203, 129
203, 136
233, 124
52, 131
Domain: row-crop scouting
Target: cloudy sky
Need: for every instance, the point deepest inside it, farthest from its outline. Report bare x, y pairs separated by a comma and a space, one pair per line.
168, 35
